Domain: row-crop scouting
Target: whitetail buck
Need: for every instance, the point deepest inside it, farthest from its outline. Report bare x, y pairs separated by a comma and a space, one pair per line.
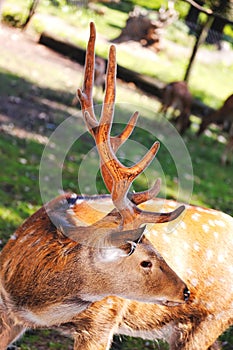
199, 248
54, 267
177, 96
223, 117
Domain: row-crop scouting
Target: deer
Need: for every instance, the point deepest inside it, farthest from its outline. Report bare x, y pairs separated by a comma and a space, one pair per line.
99, 77
199, 248
177, 95
55, 267
227, 154
223, 117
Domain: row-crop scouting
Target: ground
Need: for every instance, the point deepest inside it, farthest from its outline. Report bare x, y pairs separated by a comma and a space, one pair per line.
21, 102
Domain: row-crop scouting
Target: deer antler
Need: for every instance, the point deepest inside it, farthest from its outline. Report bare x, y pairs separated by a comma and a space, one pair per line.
117, 177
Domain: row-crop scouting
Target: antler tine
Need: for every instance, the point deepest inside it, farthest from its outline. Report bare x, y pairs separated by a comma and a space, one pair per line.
141, 197
85, 95
110, 92
117, 141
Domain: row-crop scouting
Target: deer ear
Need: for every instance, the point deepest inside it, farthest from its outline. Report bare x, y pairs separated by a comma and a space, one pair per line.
121, 244
119, 238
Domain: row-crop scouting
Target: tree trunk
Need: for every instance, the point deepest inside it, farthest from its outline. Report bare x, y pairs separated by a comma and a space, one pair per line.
192, 16
216, 32
200, 39
31, 12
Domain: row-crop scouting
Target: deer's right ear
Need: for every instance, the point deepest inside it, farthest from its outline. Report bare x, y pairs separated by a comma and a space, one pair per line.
121, 244
119, 238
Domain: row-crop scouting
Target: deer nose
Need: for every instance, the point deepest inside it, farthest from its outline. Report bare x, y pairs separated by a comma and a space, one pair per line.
186, 294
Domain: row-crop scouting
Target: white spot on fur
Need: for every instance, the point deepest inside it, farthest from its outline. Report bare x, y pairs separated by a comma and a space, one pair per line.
203, 210
216, 235
154, 232
194, 282
183, 225
186, 245
196, 246
208, 211
205, 228
195, 216
166, 238
220, 223
13, 237
209, 305
221, 258
189, 272
172, 204
174, 232
211, 223
210, 317
209, 254
210, 281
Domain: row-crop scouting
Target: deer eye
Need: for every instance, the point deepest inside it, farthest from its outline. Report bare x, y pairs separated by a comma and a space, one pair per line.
146, 264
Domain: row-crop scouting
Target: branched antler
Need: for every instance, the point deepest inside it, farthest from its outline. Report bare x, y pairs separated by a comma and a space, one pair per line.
117, 177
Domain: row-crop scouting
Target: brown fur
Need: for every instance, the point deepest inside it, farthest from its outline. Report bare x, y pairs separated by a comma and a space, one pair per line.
177, 96
222, 115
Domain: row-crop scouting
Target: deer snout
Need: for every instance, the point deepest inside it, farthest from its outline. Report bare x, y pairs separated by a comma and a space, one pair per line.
186, 294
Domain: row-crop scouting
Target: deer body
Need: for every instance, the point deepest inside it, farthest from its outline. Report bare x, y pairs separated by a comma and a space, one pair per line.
177, 96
